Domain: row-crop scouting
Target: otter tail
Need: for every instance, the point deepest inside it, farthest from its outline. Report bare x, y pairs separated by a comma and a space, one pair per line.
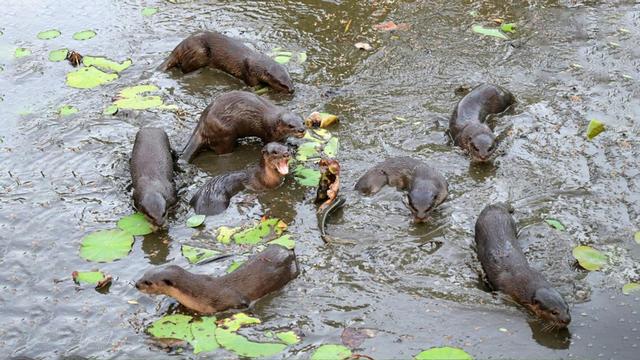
193, 146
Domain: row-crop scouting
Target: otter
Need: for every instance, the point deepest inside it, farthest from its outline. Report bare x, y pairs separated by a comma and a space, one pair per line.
238, 114
213, 49
262, 274
508, 271
152, 174
426, 187
467, 124
214, 196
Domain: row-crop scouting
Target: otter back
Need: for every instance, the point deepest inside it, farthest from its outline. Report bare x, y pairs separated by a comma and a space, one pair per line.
483, 100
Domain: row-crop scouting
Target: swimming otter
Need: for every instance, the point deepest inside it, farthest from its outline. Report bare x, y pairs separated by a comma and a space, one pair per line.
213, 49
214, 196
426, 187
238, 114
152, 174
508, 271
263, 273
467, 124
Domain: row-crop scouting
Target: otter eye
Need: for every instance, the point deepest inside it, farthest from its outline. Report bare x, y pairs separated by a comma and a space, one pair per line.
168, 282
475, 147
555, 312
147, 282
492, 147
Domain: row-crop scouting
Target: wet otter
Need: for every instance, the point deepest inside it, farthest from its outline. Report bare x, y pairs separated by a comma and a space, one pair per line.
467, 124
426, 187
231, 56
238, 114
263, 273
507, 268
152, 174
214, 196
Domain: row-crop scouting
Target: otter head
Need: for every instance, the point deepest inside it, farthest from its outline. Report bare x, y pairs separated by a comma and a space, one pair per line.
289, 124
154, 206
277, 77
479, 140
424, 194
549, 305
159, 281
276, 156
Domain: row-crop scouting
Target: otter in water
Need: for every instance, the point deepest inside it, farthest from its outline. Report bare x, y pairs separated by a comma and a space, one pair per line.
467, 124
213, 49
426, 187
508, 271
238, 114
214, 196
263, 273
152, 174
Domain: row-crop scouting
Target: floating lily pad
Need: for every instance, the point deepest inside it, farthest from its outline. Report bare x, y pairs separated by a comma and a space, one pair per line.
84, 35
135, 224
630, 287
259, 232
244, 347
58, 55
225, 233
88, 277
307, 150
89, 77
110, 110
48, 34
331, 148
195, 255
284, 56
203, 333
103, 63
443, 353
149, 11
106, 245
172, 327
333, 352
288, 337
595, 127
66, 110
280, 59
637, 237
235, 322
195, 220
284, 241
306, 176
131, 98
508, 27
22, 52
489, 32
555, 224
234, 266
589, 258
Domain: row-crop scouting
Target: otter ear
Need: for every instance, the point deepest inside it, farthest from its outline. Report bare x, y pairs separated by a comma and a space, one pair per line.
168, 282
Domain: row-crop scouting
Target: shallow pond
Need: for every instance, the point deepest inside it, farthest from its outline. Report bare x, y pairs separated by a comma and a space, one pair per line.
417, 286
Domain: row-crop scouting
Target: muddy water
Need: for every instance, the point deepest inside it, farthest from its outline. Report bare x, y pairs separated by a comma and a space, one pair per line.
417, 286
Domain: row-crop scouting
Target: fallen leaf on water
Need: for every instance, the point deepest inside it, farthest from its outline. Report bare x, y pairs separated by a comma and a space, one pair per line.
391, 26
442, 353
510, 27
489, 32
555, 224
320, 119
589, 258
595, 127
630, 287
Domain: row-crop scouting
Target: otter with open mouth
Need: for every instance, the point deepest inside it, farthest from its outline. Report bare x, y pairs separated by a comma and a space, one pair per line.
508, 271
239, 114
213, 197
426, 187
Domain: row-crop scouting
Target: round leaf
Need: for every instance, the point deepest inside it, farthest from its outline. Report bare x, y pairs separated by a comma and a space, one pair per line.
443, 353
103, 63
225, 233
203, 333
88, 77
307, 177
22, 52
244, 347
595, 127
333, 352
106, 245
589, 258
84, 35
195, 220
555, 224
88, 277
509, 27
331, 148
66, 110
630, 287
489, 32
234, 266
284, 241
195, 255
149, 11
172, 327
281, 59
288, 337
110, 110
135, 224
307, 150
58, 55
48, 34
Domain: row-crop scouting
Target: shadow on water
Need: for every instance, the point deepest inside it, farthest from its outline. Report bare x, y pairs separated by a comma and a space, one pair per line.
552, 339
157, 247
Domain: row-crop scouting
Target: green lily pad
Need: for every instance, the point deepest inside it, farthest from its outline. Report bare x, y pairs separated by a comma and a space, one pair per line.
589, 258
259, 232
235, 322
106, 245
488, 32
333, 352
443, 353
89, 77
244, 347
509, 27
172, 327
195, 255
22, 52
135, 224
106, 64
88, 277
284, 241
225, 233
196, 220
110, 110
48, 34
66, 110
331, 148
203, 333
281, 59
149, 11
234, 266
630, 287
302, 57
307, 150
637, 237
595, 127
307, 177
131, 98
288, 337
84, 35
555, 224
58, 55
